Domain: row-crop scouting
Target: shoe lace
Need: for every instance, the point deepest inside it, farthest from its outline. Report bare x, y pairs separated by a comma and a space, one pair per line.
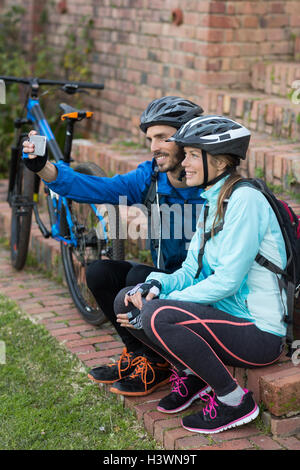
125, 356
142, 367
210, 408
177, 382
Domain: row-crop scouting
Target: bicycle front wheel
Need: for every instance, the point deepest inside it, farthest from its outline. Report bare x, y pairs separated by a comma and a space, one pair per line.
21, 215
94, 242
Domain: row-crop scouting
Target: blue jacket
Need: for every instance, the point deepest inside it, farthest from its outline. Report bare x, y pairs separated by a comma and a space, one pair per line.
230, 279
179, 207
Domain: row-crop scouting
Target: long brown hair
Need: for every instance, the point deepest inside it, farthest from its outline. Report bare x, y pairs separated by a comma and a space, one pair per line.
227, 187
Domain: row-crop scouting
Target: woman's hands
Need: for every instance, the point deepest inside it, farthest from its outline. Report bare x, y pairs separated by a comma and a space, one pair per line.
137, 297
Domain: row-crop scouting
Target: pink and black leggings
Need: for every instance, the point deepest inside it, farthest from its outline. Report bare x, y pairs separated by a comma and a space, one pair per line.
203, 339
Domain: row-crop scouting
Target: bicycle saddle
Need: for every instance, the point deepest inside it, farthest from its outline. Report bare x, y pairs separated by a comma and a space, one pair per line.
73, 113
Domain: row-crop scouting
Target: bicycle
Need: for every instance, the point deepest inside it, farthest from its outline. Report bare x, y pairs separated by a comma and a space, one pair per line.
83, 230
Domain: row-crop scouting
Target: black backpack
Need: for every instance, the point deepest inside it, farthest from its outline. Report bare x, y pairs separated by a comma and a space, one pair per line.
289, 223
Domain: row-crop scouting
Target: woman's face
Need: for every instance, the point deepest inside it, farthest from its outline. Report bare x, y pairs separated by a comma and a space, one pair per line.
193, 166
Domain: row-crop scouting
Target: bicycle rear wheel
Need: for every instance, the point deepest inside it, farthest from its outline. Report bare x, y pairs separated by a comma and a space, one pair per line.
21, 203
94, 242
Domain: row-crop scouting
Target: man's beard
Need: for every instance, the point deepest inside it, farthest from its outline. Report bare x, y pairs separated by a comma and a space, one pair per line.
171, 165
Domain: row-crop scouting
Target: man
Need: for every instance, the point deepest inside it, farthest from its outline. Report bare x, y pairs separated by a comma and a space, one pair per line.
161, 183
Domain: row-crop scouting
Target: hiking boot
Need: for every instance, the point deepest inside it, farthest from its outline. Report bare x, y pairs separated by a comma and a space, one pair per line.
110, 373
185, 390
147, 377
217, 416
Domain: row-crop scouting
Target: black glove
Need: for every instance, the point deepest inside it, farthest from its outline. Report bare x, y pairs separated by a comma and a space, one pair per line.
135, 318
152, 286
35, 164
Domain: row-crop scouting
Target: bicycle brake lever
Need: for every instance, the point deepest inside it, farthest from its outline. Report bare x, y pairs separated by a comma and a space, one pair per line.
70, 88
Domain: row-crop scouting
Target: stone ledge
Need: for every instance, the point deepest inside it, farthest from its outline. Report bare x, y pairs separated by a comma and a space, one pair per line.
275, 78
260, 112
277, 160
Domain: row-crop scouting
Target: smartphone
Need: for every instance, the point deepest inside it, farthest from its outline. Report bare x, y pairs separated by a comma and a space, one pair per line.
39, 142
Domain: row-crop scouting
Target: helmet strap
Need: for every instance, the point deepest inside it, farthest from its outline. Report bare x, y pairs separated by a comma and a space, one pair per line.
205, 169
205, 172
182, 175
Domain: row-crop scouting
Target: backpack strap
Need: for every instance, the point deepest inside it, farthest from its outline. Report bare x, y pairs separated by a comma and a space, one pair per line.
151, 193
207, 236
148, 201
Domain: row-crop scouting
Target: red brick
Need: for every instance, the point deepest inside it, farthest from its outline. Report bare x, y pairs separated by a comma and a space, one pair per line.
153, 398
280, 391
162, 426
236, 444
191, 442
101, 354
143, 408
237, 433
73, 329
109, 345
96, 362
84, 349
171, 437
71, 337
152, 419
90, 340
265, 443
50, 325
285, 426
289, 443
221, 21
254, 375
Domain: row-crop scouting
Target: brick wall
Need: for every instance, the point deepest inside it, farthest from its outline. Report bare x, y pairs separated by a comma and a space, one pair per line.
141, 54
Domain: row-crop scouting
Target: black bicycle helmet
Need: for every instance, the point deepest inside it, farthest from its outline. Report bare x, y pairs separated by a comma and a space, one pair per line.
217, 135
169, 110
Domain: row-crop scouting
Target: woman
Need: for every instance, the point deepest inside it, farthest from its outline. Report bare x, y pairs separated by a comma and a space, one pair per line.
221, 307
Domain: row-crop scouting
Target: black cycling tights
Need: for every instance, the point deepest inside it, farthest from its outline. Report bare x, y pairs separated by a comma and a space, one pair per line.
204, 340
105, 278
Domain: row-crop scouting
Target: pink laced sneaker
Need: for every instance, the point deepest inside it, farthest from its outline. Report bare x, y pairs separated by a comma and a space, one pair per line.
185, 390
216, 416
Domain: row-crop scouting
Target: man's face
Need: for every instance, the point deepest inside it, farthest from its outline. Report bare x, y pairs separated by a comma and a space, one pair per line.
167, 154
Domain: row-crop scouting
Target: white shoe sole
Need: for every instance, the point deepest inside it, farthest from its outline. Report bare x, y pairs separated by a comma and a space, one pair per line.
244, 420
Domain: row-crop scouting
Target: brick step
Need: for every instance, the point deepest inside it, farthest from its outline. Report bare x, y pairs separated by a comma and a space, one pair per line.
263, 113
276, 160
112, 158
275, 78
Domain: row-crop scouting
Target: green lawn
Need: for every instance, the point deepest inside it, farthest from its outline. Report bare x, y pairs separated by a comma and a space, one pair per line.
46, 400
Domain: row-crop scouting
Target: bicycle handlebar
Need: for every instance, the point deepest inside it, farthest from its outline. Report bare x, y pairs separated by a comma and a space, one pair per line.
43, 81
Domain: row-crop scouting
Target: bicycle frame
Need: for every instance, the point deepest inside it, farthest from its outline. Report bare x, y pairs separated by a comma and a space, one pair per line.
76, 226
55, 202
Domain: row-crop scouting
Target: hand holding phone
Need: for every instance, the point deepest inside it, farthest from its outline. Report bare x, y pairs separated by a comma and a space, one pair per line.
39, 155
39, 142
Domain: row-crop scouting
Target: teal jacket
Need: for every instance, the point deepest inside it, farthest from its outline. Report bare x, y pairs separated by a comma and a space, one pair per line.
230, 279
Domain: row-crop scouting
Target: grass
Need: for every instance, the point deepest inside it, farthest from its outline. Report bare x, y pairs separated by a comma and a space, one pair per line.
46, 400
